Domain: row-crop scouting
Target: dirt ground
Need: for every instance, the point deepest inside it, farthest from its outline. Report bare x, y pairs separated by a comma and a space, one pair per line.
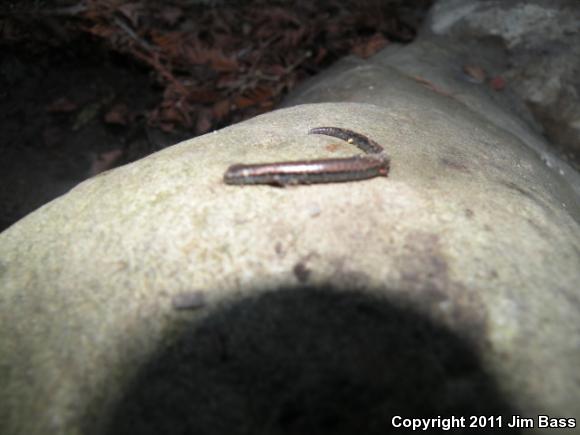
79, 94
46, 152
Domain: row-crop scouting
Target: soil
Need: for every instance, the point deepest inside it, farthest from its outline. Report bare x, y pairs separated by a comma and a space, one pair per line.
46, 149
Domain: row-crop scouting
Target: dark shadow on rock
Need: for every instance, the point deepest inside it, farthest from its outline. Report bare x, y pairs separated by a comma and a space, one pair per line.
307, 362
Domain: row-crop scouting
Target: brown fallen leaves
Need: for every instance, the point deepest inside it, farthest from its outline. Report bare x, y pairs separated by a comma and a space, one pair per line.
219, 65
104, 161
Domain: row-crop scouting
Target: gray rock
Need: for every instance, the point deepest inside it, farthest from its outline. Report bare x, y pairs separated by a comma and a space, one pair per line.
542, 40
436, 63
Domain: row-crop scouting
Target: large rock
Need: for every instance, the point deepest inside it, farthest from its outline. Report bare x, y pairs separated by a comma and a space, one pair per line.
154, 296
542, 42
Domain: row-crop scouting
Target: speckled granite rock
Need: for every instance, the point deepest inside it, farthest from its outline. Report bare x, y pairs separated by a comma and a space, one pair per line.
450, 287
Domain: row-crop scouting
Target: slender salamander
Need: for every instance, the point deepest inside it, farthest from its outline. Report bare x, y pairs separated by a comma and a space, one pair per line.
360, 167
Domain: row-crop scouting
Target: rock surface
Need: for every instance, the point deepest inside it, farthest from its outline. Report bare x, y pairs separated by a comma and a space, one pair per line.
542, 41
450, 286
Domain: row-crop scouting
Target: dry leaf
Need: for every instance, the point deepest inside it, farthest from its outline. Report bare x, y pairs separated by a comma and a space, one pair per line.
475, 73
132, 11
222, 63
241, 102
63, 104
371, 46
203, 96
118, 114
105, 161
203, 124
497, 83
221, 109
233, 62
171, 14
431, 86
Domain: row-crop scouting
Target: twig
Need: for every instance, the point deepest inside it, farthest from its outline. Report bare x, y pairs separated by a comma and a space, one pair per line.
129, 31
69, 10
